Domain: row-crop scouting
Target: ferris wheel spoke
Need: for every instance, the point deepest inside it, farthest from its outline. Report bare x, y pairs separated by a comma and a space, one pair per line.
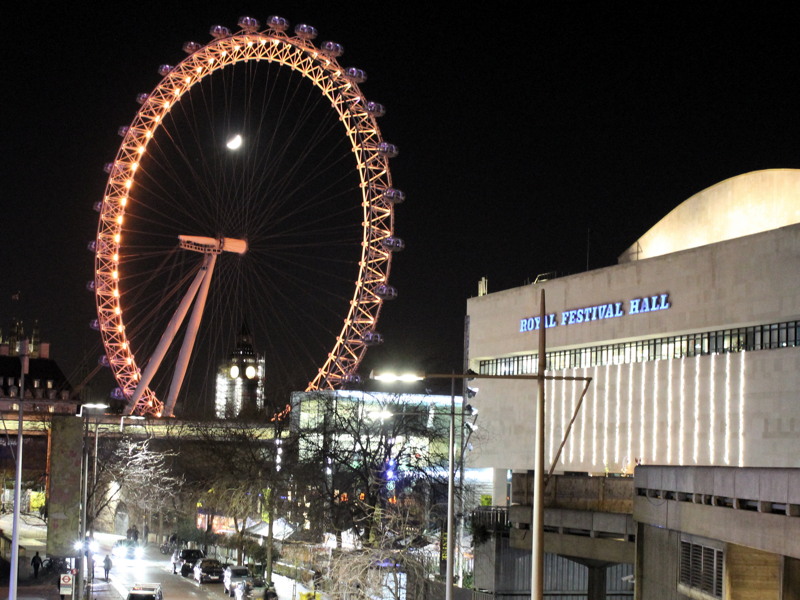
306, 187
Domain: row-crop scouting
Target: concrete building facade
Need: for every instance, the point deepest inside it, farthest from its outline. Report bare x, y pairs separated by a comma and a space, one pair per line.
692, 344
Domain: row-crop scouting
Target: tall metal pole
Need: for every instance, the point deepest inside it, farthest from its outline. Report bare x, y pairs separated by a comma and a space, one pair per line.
80, 580
13, 577
448, 593
537, 545
90, 557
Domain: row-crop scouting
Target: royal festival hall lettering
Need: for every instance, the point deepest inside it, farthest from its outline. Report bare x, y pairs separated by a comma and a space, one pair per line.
598, 312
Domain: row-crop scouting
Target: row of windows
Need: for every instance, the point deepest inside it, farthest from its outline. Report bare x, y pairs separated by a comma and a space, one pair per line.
758, 337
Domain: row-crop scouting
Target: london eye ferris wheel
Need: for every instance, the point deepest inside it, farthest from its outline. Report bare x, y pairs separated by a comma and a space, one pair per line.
252, 186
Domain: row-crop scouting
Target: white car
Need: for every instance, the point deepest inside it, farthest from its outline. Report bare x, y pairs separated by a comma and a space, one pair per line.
233, 575
145, 591
250, 588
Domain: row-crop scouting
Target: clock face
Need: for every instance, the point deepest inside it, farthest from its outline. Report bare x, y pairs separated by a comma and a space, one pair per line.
234, 372
250, 372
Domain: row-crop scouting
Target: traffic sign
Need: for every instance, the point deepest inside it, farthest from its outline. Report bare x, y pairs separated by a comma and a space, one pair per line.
65, 579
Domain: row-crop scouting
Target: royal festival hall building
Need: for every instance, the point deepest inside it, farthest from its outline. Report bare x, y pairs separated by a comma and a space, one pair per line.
692, 344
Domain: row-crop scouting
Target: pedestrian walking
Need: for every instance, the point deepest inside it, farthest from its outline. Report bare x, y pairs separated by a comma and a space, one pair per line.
36, 563
107, 565
176, 558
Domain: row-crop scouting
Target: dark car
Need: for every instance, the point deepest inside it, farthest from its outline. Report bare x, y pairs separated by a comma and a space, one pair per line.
187, 558
208, 569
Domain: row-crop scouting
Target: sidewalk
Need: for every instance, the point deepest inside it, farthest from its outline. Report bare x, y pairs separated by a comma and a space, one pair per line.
287, 588
32, 539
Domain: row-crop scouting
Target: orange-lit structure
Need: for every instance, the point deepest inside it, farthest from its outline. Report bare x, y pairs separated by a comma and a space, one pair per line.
318, 65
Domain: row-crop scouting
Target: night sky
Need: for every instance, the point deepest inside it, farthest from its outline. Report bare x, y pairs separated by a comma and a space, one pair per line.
529, 144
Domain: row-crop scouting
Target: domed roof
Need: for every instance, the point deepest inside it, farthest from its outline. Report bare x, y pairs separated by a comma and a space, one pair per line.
739, 206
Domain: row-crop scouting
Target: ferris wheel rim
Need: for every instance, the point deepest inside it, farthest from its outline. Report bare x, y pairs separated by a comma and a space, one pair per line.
340, 87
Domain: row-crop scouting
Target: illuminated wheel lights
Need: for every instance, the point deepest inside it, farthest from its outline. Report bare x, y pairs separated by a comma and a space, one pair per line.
339, 86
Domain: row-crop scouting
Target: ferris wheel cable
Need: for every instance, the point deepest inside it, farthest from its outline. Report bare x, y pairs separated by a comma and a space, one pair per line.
236, 181
283, 285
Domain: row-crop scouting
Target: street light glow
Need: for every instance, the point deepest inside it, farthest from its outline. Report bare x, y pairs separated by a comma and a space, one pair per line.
380, 414
392, 377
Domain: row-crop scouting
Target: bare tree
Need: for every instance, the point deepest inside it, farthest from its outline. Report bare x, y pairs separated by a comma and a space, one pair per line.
382, 570
380, 454
236, 472
131, 470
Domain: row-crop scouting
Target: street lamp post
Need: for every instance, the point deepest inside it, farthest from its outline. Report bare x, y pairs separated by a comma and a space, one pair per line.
450, 525
14, 574
537, 550
81, 577
451, 492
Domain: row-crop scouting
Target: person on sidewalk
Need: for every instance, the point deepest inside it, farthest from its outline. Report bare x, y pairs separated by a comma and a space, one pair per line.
176, 559
107, 565
36, 563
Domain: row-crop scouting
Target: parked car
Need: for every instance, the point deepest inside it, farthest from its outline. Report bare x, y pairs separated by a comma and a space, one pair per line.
187, 559
207, 569
145, 591
127, 549
250, 588
233, 575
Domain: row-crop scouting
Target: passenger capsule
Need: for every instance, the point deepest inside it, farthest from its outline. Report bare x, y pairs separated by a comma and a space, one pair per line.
117, 394
92, 246
249, 24
276, 23
351, 378
388, 150
191, 47
394, 196
305, 32
372, 338
94, 324
108, 168
123, 131
219, 31
103, 361
90, 285
355, 75
164, 70
98, 206
386, 292
393, 244
375, 109
332, 49
142, 98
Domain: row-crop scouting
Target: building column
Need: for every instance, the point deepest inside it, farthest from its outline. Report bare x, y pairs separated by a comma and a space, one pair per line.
597, 582
791, 578
500, 487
